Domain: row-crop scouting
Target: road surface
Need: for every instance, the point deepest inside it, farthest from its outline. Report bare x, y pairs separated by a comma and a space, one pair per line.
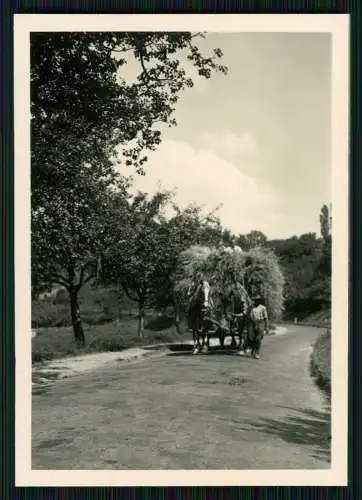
180, 411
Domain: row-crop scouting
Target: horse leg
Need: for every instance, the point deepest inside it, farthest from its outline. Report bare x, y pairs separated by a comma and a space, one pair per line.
233, 342
242, 338
242, 334
196, 342
221, 339
205, 344
178, 322
252, 341
245, 342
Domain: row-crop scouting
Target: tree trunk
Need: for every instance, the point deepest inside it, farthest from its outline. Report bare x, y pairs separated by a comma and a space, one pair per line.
178, 323
177, 319
76, 321
141, 320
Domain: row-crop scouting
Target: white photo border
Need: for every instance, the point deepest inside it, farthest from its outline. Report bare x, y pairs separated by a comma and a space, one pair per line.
338, 26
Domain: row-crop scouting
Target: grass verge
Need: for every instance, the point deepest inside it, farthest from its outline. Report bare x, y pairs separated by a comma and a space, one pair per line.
58, 342
320, 364
321, 319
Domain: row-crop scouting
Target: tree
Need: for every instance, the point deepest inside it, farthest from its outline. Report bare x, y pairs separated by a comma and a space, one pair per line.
299, 258
326, 257
325, 222
82, 107
135, 262
227, 238
325, 262
187, 227
144, 262
69, 235
253, 239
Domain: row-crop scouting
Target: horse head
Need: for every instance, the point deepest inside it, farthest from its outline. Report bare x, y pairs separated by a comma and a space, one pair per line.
205, 290
240, 300
201, 296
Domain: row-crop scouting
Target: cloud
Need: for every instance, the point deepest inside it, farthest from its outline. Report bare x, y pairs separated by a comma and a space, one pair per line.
201, 176
242, 150
229, 142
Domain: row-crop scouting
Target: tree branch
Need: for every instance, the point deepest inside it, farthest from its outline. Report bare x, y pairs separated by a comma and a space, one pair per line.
88, 278
81, 277
60, 280
82, 280
129, 295
146, 72
122, 51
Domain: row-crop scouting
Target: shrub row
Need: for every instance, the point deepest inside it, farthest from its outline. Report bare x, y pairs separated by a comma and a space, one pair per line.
320, 363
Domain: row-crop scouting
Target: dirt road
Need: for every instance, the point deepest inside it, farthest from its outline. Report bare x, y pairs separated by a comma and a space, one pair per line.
180, 411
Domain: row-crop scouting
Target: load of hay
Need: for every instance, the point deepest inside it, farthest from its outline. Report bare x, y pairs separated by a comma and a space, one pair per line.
257, 271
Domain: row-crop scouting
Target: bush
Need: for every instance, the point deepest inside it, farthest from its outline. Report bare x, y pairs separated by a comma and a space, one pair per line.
321, 319
53, 343
159, 323
321, 362
47, 314
97, 306
42, 353
62, 297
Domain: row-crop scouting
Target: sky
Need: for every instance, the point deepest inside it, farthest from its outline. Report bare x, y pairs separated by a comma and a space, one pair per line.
257, 141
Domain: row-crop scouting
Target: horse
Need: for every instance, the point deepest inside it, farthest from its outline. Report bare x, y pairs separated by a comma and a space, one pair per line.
199, 314
237, 307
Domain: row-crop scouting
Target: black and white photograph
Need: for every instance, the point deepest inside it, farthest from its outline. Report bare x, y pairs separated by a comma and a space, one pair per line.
182, 242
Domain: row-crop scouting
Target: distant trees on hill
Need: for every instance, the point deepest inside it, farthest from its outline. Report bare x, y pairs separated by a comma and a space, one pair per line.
306, 262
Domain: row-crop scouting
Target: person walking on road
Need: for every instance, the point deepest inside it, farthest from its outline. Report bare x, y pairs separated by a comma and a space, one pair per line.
258, 326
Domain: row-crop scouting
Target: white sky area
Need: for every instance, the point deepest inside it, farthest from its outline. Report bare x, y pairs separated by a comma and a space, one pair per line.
257, 141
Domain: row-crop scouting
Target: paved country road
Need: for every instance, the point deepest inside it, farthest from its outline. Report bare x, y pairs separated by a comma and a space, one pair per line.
180, 411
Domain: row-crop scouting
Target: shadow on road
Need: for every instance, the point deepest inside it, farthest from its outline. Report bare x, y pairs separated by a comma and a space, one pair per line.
186, 350
183, 349
305, 427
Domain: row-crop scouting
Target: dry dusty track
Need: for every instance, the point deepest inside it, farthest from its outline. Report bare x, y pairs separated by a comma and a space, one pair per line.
178, 411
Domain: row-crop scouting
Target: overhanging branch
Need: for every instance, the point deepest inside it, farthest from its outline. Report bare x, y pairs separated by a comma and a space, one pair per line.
129, 295
89, 278
60, 280
146, 73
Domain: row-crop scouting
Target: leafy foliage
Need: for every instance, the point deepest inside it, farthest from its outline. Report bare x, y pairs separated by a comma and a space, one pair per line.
83, 110
69, 233
134, 262
144, 263
83, 107
253, 239
306, 262
325, 222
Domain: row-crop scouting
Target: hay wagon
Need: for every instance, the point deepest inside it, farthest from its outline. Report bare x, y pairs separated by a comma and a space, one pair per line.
256, 272
226, 328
